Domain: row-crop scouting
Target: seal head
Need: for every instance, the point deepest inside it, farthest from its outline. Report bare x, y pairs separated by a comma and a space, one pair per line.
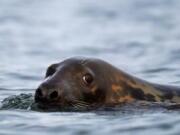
75, 82
83, 83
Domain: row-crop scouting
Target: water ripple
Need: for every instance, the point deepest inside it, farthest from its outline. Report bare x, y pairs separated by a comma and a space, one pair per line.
138, 36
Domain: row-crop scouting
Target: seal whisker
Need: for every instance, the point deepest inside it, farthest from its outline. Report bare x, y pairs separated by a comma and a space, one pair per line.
75, 106
82, 103
79, 106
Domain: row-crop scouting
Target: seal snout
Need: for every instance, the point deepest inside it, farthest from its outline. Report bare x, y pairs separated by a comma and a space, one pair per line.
46, 95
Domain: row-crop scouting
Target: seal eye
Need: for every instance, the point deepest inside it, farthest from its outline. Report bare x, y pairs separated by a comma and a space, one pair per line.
51, 70
88, 79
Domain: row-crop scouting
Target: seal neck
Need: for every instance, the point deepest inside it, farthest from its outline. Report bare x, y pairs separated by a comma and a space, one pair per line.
126, 88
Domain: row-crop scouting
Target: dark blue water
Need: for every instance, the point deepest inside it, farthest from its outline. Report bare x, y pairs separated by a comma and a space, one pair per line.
139, 36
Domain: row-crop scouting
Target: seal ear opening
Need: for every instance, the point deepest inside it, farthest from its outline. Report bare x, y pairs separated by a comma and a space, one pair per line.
51, 70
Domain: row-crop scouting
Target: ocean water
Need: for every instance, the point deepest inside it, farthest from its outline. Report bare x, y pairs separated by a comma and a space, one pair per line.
140, 37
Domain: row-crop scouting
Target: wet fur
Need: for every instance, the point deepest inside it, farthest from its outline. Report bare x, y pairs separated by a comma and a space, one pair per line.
112, 85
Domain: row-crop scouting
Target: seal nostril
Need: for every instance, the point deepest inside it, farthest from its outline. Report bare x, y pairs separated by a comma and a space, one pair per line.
39, 92
53, 95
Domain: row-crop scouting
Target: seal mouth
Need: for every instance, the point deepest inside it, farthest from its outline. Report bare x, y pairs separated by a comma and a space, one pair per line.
74, 105
53, 106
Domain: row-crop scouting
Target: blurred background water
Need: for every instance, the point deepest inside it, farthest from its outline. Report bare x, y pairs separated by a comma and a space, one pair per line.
139, 36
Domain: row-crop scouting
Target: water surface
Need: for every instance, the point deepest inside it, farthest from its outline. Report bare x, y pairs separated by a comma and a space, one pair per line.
139, 36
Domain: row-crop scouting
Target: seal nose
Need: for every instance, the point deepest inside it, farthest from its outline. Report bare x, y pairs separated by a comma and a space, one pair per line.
53, 95
46, 95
